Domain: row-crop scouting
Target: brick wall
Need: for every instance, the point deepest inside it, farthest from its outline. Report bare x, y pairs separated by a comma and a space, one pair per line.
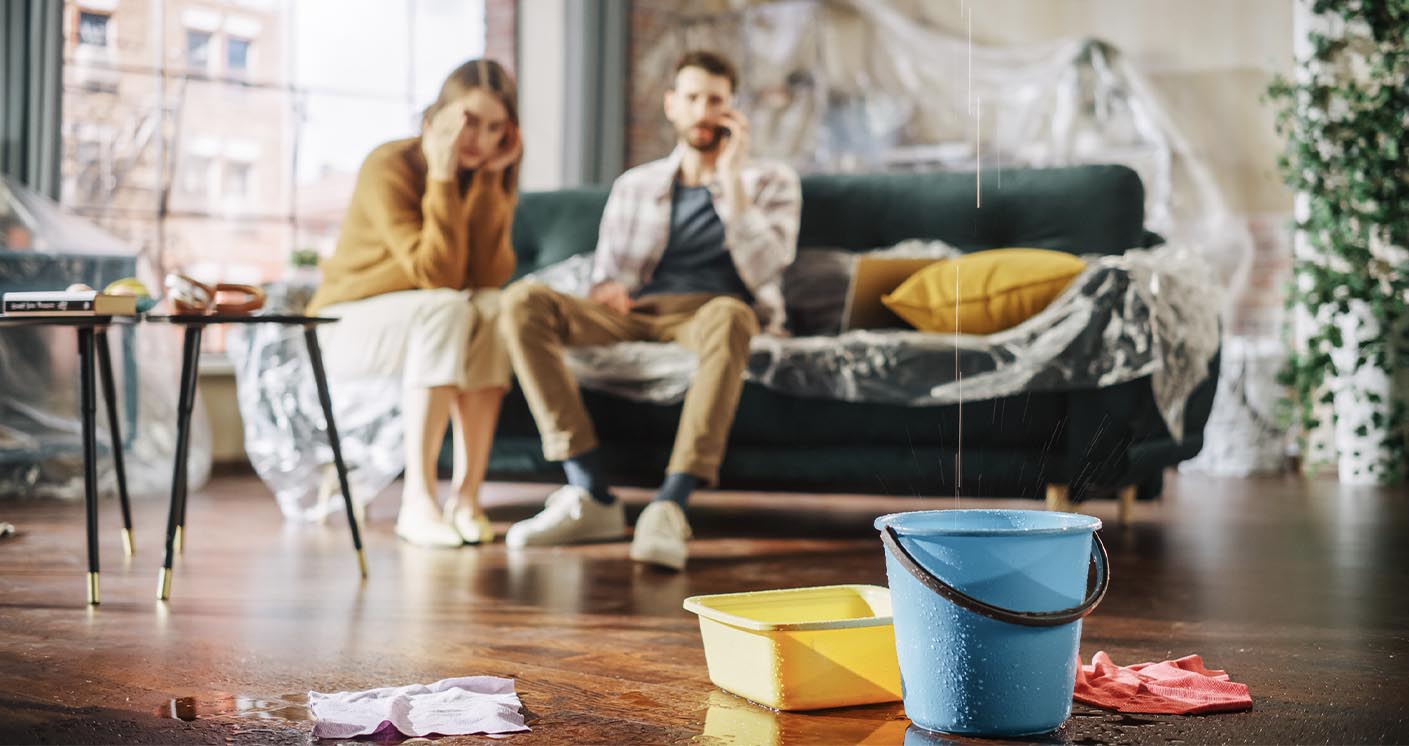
501, 32
1260, 305
657, 33
648, 20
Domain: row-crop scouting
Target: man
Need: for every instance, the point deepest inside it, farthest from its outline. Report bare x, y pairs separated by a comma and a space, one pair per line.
692, 250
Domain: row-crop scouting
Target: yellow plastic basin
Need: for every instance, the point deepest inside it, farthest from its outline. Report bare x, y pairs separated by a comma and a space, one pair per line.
801, 648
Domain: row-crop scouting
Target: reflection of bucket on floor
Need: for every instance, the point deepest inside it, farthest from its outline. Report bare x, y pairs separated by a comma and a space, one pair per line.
987, 607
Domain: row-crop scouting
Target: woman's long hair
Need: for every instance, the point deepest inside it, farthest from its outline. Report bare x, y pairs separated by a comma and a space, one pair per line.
492, 77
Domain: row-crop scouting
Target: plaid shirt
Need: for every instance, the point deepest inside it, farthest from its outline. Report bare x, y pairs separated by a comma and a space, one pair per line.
762, 241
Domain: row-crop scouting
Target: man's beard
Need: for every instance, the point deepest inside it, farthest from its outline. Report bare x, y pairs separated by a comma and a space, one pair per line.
710, 143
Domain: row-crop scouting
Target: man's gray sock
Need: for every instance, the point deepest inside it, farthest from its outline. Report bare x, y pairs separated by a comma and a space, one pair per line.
677, 488
585, 470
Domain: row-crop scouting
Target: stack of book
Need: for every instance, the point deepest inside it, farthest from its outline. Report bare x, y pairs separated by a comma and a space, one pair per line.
65, 303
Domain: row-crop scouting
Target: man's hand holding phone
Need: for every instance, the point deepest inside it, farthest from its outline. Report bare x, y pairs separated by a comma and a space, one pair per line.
734, 142
732, 153
613, 295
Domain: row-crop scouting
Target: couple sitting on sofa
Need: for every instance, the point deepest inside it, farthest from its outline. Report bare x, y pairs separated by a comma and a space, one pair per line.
691, 250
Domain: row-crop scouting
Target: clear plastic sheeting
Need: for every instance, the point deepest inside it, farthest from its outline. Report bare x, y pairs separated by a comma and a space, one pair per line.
41, 454
860, 85
1144, 313
1245, 434
1148, 312
285, 438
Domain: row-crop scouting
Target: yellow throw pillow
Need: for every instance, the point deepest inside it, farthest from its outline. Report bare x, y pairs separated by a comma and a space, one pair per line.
996, 290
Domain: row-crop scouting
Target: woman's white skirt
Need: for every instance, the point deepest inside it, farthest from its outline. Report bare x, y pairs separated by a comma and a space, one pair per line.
439, 337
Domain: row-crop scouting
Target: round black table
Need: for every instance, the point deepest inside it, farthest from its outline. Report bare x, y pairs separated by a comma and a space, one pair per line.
193, 325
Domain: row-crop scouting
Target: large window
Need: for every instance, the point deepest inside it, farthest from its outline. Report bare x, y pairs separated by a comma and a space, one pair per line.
222, 136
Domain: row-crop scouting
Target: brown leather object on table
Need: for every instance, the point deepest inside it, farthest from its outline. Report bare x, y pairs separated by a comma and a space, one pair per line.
191, 296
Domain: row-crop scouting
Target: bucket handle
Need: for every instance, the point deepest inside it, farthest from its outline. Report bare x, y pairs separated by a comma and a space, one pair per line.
891, 539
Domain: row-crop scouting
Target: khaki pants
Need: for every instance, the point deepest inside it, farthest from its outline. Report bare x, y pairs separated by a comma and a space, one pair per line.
537, 322
429, 338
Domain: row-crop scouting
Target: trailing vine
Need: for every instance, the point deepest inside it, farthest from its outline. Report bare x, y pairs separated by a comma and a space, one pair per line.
1345, 118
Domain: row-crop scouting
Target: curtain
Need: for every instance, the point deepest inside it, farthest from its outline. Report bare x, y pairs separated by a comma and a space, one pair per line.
31, 35
594, 126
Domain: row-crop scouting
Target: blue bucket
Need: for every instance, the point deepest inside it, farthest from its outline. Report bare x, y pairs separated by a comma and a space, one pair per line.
988, 607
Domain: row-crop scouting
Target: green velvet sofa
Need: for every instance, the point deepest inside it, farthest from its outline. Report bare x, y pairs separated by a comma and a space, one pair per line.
1092, 441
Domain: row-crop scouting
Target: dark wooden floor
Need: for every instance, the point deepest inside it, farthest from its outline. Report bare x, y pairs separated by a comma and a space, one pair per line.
1299, 589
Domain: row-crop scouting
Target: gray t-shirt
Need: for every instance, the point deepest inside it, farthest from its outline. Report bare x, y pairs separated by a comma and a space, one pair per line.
695, 260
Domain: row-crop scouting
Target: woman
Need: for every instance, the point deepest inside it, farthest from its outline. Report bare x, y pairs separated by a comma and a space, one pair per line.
423, 251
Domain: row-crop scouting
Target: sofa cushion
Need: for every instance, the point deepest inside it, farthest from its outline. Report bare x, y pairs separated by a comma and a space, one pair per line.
983, 292
1098, 209
552, 226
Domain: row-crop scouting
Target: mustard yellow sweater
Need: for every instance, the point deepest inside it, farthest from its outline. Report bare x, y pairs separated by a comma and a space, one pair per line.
402, 233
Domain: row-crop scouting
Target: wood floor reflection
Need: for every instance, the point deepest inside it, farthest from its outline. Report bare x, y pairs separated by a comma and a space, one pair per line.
1296, 588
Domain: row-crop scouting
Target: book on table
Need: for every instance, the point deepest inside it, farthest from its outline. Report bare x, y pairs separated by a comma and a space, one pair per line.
65, 303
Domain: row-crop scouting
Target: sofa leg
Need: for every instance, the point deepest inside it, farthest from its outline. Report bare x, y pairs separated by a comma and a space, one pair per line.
1058, 499
1127, 504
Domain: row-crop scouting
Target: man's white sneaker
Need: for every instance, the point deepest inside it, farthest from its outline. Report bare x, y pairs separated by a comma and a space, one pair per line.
569, 516
661, 532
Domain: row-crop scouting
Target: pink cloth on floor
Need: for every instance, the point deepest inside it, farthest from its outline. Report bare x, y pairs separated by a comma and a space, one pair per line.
1177, 687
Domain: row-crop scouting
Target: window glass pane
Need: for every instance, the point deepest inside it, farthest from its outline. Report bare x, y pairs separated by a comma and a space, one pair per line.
112, 139
333, 42
195, 171
237, 56
335, 134
198, 50
447, 34
356, 102
93, 29
217, 249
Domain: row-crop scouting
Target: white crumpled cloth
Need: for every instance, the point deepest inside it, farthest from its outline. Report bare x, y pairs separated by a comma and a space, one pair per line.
449, 707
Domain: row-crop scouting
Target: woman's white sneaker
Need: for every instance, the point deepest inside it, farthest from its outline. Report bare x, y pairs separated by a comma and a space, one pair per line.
427, 530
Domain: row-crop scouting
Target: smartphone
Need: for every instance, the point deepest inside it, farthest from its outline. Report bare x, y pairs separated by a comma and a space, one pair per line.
721, 132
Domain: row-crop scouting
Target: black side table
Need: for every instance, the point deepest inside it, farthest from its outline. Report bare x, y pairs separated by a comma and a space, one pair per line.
190, 357
93, 338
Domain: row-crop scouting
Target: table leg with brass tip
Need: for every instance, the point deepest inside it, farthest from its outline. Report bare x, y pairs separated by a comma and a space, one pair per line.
182, 486
189, 357
105, 376
87, 408
320, 378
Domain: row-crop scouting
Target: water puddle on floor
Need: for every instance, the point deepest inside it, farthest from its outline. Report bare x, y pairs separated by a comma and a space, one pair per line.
220, 705
1090, 726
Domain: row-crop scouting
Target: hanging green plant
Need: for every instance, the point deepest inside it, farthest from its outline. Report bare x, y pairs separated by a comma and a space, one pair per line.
1345, 117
